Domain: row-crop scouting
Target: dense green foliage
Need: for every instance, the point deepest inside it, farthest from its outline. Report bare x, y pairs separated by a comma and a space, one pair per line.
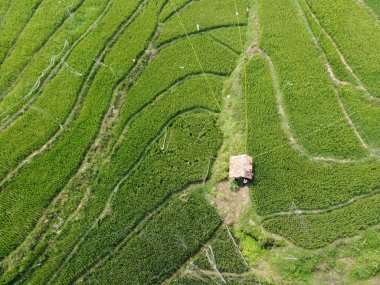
162, 245
363, 58
227, 256
113, 112
305, 84
302, 183
321, 229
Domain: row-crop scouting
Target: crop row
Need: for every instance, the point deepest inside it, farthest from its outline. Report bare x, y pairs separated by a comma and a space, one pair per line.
284, 180
227, 256
176, 62
14, 17
50, 59
186, 95
166, 242
172, 6
192, 147
363, 58
48, 114
49, 16
374, 5
45, 63
141, 132
366, 116
132, 147
314, 231
48, 173
305, 84
325, 42
193, 18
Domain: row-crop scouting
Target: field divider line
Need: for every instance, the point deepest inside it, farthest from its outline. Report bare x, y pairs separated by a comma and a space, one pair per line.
319, 211
223, 44
196, 56
2, 94
196, 33
156, 97
136, 228
53, 72
135, 166
195, 255
5, 15
332, 77
71, 117
113, 40
286, 127
342, 58
369, 10
15, 40
180, 8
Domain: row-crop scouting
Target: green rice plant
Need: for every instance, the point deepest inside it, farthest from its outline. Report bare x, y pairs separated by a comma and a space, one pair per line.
175, 63
162, 173
49, 172
331, 52
14, 16
193, 19
47, 115
364, 114
31, 73
314, 231
374, 5
141, 134
227, 255
48, 17
350, 36
305, 84
163, 245
169, 11
285, 181
232, 37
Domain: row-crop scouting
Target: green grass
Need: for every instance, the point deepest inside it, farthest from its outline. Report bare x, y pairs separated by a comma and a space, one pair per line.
374, 5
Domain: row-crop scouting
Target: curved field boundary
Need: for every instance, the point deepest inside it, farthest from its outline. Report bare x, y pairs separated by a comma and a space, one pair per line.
33, 47
71, 117
348, 119
4, 52
172, 14
287, 129
202, 31
48, 74
134, 167
138, 227
79, 137
371, 9
299, 212
359, 83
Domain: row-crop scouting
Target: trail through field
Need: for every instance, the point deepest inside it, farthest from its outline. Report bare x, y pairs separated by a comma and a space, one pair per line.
298, 212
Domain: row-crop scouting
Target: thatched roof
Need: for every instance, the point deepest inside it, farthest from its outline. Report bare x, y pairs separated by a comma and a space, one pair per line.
241, 167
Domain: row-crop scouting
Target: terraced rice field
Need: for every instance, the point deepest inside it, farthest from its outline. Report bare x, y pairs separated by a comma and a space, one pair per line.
117, 119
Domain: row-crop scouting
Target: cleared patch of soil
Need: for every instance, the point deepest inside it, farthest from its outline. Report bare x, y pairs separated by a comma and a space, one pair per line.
231, 204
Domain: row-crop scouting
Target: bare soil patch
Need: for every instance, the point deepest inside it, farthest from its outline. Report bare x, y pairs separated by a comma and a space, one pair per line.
231, 204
